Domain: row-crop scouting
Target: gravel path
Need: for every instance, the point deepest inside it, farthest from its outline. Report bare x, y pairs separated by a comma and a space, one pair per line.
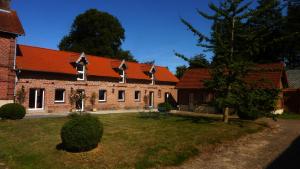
276, 148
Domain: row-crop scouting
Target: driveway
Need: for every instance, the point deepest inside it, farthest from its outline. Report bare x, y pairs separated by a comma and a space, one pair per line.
275, 148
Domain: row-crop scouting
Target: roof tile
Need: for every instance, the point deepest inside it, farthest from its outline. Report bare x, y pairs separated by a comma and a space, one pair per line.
48, 60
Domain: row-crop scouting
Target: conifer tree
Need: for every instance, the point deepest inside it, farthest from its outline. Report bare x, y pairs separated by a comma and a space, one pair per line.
233, 44
292, 29
269, 26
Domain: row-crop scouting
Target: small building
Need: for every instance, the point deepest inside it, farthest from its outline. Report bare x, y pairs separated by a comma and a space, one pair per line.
193, 95
292, 94
49, 77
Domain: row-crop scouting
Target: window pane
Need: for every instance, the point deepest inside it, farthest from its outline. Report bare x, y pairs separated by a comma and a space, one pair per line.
39, 97
102, 94
121, 95
80, 75
137, 95
79, 67
31, 98
59, 94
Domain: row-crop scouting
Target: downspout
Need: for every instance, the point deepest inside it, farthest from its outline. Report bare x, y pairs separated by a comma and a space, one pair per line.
16, 78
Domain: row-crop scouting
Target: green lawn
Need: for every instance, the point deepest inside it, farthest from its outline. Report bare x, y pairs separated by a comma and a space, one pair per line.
290, 116
129, 141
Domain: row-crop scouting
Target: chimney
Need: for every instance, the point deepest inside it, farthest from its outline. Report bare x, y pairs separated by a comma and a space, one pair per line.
5, 4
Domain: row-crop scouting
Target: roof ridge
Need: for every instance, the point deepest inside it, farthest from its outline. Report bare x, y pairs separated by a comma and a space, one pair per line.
89, 55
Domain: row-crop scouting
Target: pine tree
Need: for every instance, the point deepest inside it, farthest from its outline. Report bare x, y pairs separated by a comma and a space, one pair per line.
292, 30
270, 32
233, 44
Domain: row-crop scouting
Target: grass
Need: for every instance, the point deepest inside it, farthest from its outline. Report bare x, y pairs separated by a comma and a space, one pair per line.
288, 116
129, 141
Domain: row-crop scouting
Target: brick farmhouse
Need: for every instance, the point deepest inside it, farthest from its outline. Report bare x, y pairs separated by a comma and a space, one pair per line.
49, 77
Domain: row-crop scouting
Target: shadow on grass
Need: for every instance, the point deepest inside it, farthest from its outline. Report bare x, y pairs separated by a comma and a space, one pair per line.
153, 115
198, 119
289, 159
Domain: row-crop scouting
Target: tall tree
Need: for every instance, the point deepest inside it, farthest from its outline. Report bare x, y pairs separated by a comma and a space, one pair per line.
292, 28
180, 70
269, 26
198, 61
97, 33
233, 45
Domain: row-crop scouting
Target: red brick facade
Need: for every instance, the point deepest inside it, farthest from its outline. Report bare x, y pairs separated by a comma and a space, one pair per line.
7, 74
50, 82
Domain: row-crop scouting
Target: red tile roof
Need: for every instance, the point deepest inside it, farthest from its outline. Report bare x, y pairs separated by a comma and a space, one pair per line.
10, 23
47, 60
269, 75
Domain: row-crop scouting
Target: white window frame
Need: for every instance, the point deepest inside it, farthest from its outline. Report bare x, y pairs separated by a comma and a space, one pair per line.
105, 95
123, 77
152, 79
81, 72
123, 95
60, 101
139, 96
35, 99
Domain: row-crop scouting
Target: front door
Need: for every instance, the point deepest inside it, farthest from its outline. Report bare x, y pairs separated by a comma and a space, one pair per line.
36, 99
151, 99
80, 101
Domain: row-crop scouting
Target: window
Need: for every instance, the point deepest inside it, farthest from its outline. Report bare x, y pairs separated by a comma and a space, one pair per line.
59, 95
36, 99
152, 79
137, 95
159, 93
81, 72
121, 95
102, 95
123, 76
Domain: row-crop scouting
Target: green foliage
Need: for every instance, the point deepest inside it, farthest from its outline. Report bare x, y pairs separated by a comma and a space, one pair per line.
164, 107
292, 29
256, 102
180, 70
81, 133
198, 61
269, 26
97, 33
12, 111
21, 95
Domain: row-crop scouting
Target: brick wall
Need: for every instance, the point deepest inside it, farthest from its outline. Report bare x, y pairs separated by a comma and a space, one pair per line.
7, 74
50, 82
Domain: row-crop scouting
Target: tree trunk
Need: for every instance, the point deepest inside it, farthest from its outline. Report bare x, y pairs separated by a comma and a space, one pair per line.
226, 115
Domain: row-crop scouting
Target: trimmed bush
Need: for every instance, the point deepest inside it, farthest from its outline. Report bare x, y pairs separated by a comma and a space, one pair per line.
164, 107
81, 133
12, 111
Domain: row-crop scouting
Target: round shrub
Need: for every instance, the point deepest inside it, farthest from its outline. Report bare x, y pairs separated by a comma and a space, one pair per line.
81, 133
12, 111
164, 107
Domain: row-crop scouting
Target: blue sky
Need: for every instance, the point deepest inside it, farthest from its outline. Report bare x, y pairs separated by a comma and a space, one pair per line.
152, 27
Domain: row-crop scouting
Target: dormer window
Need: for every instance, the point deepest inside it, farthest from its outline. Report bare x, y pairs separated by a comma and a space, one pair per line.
152, 79
81, 67
120, 67
152, 72
123, 76
80, 72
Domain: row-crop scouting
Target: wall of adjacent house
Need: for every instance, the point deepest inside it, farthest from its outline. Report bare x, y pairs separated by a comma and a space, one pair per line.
7, 74
50, 82
195, 100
